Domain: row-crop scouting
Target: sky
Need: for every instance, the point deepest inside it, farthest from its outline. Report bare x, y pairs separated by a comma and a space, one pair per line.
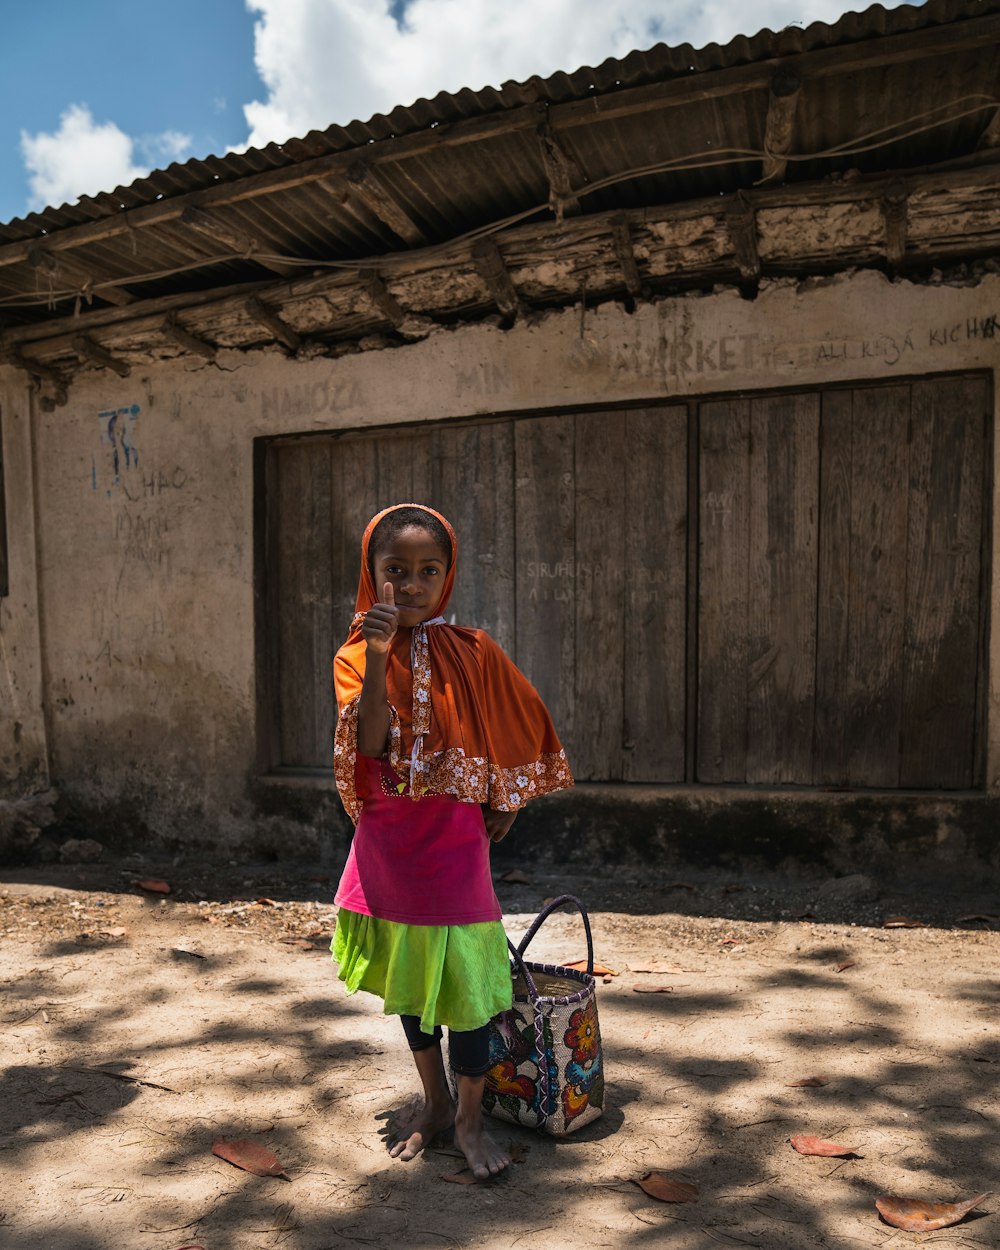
96, 93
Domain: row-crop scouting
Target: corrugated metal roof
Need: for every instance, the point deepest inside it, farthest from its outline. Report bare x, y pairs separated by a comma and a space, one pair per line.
657, 128
659, 64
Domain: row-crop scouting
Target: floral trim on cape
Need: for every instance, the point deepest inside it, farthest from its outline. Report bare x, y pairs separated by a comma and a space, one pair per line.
471, 779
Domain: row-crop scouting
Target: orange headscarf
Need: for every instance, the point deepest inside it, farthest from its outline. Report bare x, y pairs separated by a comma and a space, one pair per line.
463, 719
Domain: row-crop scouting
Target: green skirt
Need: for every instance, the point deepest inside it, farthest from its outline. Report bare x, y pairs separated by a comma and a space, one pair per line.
453, 975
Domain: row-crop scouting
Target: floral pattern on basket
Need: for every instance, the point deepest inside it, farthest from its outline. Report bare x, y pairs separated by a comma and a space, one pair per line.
546, 1065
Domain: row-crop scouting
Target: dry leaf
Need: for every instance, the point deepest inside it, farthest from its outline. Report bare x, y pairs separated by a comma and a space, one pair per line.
901, 922
516, 876
153, 885
186, 950
652, 989
807, 1145
265, 902
914, 1216
600, 970
848, 963
112, 933
681, 885
658, 965
808, 1082
658, 1185
249, 1156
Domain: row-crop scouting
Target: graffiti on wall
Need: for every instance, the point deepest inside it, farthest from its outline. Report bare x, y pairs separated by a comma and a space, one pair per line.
117, 457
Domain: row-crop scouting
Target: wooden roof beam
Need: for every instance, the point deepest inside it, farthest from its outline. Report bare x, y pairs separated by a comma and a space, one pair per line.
365, 185
63, 268
708, 85
87, 349
492, 268
742, 223
562, 172
42, 372
270, 320
990, 138
245, 245
408, 324
895, 216
172, 330
779, 128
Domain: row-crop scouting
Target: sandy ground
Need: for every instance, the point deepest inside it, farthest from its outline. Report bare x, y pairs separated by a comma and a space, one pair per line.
138, 1030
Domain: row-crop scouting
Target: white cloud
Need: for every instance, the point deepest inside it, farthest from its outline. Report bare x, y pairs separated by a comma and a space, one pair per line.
326, 61
83, 157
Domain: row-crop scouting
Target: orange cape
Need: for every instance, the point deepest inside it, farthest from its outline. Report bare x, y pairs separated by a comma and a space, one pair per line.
464, 720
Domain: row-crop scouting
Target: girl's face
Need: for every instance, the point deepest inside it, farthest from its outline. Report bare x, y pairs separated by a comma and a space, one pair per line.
415, 564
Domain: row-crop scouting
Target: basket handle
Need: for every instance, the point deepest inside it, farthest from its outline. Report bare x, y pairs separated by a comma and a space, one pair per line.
522, 968
544, 914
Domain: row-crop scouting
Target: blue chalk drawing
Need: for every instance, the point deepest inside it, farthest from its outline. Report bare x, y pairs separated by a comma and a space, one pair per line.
119, 452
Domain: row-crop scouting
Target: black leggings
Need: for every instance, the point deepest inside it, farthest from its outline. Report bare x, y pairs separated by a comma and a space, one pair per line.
468, 1050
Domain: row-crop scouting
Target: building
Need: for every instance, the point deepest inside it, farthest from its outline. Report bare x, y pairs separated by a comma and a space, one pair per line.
698, 350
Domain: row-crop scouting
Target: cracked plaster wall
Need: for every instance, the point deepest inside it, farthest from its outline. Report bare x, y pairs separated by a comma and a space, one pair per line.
144, 496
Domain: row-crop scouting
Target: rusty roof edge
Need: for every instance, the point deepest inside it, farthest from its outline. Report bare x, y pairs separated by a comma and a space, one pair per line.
638, 68
277, 292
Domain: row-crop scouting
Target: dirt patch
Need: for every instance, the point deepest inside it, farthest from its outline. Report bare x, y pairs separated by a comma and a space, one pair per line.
139, 1028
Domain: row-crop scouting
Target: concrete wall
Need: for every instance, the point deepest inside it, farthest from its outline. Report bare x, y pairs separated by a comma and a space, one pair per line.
143, 498
23, 749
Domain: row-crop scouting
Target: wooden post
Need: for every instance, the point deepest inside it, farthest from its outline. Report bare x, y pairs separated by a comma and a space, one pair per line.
492, 268
895, 214
780, 125
190, 342
743, 233
561, 170
44, 373
622, 238
88, 349
990, 138
270, 320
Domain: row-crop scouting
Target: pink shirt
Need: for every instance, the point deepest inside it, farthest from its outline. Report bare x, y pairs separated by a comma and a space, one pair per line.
416, 861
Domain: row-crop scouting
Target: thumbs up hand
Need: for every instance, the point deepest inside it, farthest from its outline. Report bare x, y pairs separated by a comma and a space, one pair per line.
381, 622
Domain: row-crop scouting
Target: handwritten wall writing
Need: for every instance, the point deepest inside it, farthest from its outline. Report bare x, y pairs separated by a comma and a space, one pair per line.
117, 457
306, 399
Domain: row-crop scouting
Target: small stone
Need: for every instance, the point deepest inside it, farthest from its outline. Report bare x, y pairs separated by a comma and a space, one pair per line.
81, 851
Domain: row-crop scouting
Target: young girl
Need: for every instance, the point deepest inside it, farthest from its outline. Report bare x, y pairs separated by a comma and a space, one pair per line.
440, 740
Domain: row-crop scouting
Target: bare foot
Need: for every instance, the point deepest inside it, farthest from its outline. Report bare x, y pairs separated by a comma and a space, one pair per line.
482, 1154
420, 1128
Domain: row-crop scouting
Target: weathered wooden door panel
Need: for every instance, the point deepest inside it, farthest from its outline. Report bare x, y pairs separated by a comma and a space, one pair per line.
473, 484
654, 630
833, 597
545, 525
837, 579
782, 563
723, 589
304, 601
840, 586
598, 586
944, 566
